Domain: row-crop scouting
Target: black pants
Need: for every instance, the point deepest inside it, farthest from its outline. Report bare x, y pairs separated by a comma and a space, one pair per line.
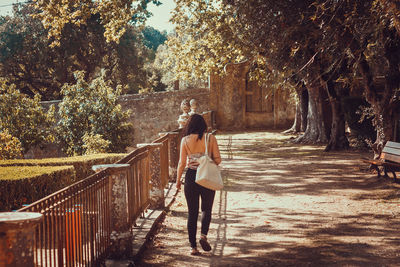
193, 192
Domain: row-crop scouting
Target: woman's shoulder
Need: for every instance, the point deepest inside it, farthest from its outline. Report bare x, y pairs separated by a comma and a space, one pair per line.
212, 137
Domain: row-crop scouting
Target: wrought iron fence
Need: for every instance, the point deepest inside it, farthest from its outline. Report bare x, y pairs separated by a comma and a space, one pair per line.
76, 227
75, 230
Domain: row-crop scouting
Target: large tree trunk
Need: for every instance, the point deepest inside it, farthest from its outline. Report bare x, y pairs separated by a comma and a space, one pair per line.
300, 121
315, 132
337, 138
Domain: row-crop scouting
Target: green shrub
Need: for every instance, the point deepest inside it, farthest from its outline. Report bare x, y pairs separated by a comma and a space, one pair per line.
82, 164
91, 109
10, 147
27, 184
94, 144
24, 117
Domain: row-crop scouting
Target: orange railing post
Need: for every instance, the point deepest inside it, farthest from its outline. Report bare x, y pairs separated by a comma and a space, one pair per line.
73, 233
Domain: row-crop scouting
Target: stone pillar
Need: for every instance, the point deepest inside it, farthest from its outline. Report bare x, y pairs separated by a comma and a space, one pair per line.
174, 147
157, 199
121, 238
17, 235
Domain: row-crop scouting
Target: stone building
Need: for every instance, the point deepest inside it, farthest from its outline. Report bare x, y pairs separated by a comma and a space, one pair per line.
240, 103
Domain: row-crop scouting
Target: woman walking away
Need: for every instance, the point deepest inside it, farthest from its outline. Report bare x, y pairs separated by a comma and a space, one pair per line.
193, 147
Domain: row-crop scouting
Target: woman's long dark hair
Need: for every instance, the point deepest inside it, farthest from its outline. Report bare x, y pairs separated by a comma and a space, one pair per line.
196, 125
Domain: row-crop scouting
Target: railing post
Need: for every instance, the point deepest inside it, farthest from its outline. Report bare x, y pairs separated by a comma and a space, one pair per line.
17, 235
121, 238
174, 146
157, 199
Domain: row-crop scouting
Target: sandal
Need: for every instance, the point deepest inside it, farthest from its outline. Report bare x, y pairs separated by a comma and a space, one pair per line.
204, 243
194, 252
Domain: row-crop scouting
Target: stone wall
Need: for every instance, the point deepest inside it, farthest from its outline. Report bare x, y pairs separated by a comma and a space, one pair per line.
159, 112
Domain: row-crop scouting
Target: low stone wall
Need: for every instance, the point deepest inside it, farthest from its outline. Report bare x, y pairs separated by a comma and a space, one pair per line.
159, 112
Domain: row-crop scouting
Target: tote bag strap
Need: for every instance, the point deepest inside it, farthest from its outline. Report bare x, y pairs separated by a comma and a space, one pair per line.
206, 143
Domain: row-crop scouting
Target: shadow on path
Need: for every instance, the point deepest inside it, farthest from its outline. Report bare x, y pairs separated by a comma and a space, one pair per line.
289, 205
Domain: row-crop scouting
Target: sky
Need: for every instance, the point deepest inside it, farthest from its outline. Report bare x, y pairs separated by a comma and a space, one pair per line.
5, 6
159, 20
161, 15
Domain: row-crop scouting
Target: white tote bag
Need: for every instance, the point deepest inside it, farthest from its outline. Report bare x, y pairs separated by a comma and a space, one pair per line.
208, 173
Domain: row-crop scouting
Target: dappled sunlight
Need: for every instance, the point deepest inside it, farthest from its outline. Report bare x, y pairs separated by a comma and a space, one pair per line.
291, 196
286, 204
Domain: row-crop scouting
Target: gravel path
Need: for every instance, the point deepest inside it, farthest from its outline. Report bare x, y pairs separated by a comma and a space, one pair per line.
289, 205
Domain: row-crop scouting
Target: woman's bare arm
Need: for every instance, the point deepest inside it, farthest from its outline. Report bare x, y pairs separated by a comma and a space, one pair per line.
215, 154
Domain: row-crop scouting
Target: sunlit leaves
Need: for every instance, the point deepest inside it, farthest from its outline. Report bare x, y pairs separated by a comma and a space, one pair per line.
91, 109
10, 147
24, 118
114, 14
27, 60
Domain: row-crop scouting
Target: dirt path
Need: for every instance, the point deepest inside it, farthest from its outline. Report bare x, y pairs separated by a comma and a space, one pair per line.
289, 205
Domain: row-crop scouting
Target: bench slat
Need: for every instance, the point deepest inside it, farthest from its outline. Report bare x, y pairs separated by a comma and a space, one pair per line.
392, 144
391, 150
391, 157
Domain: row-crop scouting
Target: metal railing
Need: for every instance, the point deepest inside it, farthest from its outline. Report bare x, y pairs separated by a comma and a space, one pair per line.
76, 228
138, 184
79, 226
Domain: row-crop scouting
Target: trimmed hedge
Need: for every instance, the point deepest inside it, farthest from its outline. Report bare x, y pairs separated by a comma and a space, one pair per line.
82, 164
26, 184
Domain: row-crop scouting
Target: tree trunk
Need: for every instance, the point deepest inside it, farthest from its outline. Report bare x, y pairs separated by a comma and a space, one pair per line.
337, 138
300, 121
315, 132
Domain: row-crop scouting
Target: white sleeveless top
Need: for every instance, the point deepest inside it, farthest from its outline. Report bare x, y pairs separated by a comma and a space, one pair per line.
192, 162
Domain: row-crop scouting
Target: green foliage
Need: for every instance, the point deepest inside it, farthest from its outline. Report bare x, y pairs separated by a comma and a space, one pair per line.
28, 60
94, 144
26, 184
205, 40
359, 125
153, 38
24, 118
165, 67
114, 15
91, 109
10, 147
130, 57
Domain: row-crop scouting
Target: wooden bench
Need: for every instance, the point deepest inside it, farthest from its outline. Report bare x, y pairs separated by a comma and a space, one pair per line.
389, 160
